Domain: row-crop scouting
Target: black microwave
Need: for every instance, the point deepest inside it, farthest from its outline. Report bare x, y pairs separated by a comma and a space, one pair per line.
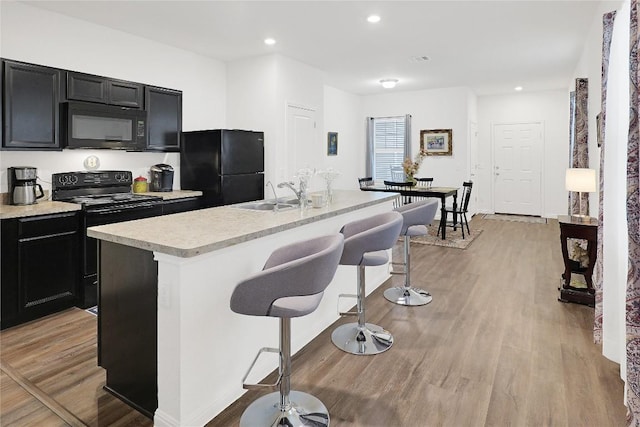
87, 125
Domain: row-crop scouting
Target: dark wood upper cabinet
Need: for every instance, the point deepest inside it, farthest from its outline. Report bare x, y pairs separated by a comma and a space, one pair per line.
90, 88
30, 101
125, 94
164, 118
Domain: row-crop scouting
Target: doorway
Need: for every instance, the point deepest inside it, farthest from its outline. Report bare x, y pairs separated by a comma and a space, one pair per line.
302, 148
517, 168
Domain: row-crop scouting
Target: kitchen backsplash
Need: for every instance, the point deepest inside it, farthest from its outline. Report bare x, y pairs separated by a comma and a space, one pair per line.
50, 162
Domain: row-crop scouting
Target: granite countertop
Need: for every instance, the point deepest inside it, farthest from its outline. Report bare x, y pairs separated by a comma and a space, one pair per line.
45, 207
41, 208
188, 234
175, 194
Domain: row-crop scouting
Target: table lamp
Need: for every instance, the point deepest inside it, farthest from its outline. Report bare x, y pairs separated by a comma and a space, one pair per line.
580, 180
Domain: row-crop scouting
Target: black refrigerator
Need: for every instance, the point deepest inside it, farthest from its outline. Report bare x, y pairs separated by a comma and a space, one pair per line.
227, 165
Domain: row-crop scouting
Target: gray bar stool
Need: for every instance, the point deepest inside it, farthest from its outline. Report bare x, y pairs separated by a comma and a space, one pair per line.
416, 216
366, 242
291, 284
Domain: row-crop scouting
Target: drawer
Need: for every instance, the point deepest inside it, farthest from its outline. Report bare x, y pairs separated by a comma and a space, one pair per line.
47, 225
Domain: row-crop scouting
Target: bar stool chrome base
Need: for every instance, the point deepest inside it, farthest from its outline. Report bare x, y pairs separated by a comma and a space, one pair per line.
305, 410
367, 340
408, 296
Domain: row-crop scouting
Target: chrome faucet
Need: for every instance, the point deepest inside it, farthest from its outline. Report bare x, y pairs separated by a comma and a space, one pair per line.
275, 196
290, 186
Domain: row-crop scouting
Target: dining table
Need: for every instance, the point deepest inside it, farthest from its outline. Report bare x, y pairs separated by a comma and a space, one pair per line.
421, 191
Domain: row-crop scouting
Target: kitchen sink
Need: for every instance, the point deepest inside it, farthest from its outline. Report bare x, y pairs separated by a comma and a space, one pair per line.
269, 205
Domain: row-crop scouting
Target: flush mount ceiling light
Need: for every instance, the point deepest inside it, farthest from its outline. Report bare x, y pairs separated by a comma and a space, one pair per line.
517, 88
269, 41
389, 83
373, 18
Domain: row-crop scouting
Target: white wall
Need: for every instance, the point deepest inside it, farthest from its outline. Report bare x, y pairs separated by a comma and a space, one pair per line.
430, 109
343, 114
252, 103
552, 109
33, 35
259, 90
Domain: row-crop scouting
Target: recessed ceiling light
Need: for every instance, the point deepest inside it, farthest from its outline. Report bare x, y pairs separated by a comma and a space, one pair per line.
269, 41
389, 83
517, 88
373, 18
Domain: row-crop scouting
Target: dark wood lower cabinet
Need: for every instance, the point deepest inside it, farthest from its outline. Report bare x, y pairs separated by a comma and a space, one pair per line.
127, 324
40, 274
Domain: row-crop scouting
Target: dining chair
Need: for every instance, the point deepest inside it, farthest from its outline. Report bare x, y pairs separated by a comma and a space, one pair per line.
425, 182
399, 186
365, 182
460, 211
397, 173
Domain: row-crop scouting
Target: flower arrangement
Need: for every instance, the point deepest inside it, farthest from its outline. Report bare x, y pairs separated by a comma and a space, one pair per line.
411, 167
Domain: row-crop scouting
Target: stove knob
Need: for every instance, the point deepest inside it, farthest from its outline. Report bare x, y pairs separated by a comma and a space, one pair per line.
73, 179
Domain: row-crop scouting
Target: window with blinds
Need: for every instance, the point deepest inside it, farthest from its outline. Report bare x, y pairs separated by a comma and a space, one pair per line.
388, 145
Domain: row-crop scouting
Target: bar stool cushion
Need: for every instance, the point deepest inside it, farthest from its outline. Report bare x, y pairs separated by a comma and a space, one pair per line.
366, 240
292, 281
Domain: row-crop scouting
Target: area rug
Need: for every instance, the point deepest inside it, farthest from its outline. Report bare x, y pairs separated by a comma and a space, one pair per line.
516, 218
454, 238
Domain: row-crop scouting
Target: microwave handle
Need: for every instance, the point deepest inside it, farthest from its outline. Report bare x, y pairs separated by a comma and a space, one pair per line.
113, 138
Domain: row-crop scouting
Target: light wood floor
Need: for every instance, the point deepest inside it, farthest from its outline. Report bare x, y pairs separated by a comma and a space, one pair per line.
494, 348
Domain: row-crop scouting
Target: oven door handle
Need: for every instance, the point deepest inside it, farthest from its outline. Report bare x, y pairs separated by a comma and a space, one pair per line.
110, 211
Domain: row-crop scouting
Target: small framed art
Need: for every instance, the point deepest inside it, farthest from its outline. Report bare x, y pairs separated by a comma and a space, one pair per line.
437, 142
332, 143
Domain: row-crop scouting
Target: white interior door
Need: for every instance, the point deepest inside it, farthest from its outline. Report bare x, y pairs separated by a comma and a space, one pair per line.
302, 147
517, 154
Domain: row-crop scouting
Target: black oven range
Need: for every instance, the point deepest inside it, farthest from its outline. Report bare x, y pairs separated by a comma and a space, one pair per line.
106, 198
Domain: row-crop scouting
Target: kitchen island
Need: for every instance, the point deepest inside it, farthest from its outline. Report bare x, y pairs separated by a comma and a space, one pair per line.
167, 338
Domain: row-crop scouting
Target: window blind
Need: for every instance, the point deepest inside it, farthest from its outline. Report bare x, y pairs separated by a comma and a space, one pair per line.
388, 145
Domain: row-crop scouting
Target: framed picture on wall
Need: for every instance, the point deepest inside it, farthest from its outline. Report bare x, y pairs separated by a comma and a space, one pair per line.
437, 142
332, 143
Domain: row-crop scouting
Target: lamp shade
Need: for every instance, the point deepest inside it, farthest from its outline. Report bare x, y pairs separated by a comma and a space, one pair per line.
581, 180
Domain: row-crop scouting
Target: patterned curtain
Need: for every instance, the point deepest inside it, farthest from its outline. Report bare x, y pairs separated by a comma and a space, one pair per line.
633, 226
607, 32
580, 154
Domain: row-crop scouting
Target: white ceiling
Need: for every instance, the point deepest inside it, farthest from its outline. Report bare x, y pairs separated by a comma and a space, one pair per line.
489, 46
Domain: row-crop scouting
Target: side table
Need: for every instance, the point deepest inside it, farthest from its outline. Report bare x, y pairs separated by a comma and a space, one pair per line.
578, 228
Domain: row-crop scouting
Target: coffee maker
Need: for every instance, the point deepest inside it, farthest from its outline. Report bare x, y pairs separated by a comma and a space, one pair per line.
22, 185
161, 177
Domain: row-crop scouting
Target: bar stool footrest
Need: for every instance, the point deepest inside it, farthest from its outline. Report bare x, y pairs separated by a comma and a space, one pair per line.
346, 313
260, 386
